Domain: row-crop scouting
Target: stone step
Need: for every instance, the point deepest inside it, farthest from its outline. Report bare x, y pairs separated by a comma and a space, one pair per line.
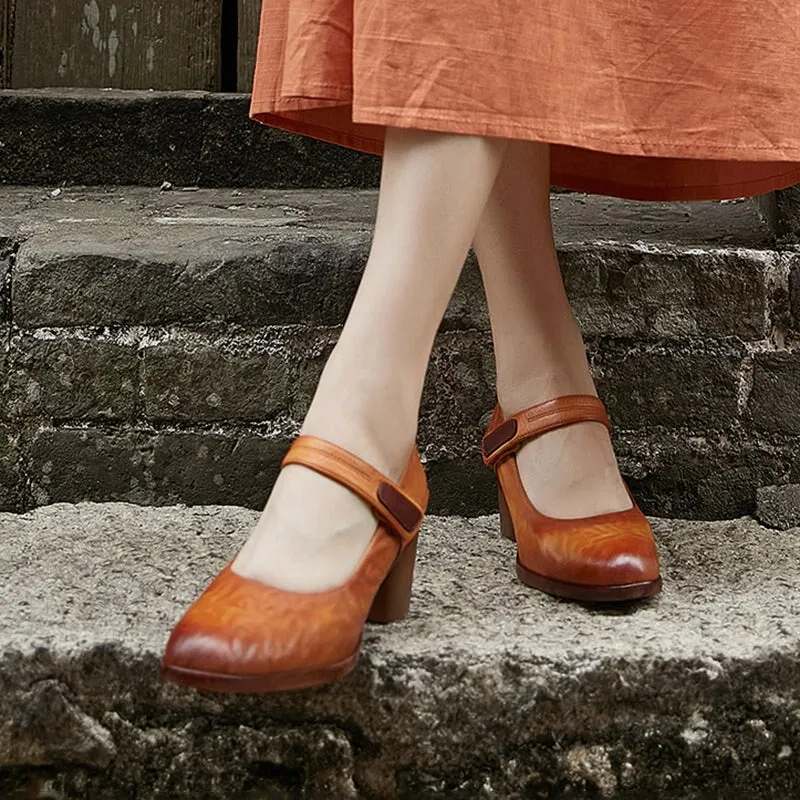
162, 346
143, 138
269, 257
92, 137
487, 690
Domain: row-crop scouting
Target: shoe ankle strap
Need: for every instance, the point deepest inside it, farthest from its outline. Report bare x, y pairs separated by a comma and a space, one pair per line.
505, 437
390, 503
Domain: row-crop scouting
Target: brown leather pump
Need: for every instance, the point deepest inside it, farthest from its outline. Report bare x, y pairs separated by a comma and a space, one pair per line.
242, 635
608, 557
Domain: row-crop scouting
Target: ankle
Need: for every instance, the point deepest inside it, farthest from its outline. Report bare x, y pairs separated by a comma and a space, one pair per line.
544, 361
515, 396
371, 413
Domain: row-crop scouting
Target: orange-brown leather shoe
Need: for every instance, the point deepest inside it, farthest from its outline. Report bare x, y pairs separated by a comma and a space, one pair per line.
242, 635
603, 558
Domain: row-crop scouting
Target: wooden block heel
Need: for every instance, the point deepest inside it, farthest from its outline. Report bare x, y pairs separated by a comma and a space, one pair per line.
506, 523
394, 597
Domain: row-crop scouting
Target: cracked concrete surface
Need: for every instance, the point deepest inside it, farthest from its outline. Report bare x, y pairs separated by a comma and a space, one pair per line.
487, 690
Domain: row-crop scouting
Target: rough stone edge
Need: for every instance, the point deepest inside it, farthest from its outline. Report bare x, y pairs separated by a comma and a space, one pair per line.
784, 214
674, 728
231, 150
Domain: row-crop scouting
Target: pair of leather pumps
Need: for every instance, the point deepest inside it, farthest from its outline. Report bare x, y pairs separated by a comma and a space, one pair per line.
241, 635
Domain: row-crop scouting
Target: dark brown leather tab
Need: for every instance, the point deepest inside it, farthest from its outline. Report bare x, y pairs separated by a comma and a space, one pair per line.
399, 506
503, 433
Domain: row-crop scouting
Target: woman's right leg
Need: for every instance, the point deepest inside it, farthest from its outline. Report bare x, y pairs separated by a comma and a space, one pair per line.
434, 186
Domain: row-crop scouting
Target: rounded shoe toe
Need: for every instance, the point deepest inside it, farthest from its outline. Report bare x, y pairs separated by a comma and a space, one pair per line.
620, 555
241, 629
193, 648
603, 552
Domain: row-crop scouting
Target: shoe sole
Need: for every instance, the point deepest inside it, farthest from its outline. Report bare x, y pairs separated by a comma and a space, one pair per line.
587, 593
259, 684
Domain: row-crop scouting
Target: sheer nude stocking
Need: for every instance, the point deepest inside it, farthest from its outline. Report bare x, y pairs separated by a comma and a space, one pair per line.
434, 186
539, 350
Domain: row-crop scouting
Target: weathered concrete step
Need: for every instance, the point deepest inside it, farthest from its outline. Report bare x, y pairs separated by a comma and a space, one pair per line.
255, 258
487, 690
163, 346
90, 137
142, 138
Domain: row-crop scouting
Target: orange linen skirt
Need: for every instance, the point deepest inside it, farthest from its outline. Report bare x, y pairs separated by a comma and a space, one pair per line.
649, 100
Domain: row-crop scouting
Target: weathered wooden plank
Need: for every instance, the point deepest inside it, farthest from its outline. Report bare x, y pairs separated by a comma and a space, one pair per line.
249, 18
6, 22
125, 44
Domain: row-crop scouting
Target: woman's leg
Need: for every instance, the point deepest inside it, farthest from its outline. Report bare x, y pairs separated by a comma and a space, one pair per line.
312, 531
570, 472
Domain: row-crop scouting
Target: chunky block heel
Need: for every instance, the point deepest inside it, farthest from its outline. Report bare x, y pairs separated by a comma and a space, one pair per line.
506, 523
393, 599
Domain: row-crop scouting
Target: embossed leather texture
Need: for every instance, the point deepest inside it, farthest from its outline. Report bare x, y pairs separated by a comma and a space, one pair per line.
242, 635
608, 557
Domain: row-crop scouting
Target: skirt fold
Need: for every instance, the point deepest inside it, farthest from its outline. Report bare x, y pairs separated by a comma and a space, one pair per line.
652, 100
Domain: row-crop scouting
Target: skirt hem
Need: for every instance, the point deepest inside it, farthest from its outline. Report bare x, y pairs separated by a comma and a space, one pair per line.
293, 113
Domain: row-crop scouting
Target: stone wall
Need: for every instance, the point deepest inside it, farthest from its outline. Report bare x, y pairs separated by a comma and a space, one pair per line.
163, 363
6, 20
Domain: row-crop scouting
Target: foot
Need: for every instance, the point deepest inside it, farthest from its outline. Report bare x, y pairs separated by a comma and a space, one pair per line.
571, 472
313, 532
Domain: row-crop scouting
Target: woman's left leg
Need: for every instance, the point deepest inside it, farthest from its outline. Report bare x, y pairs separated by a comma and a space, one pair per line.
570, 472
